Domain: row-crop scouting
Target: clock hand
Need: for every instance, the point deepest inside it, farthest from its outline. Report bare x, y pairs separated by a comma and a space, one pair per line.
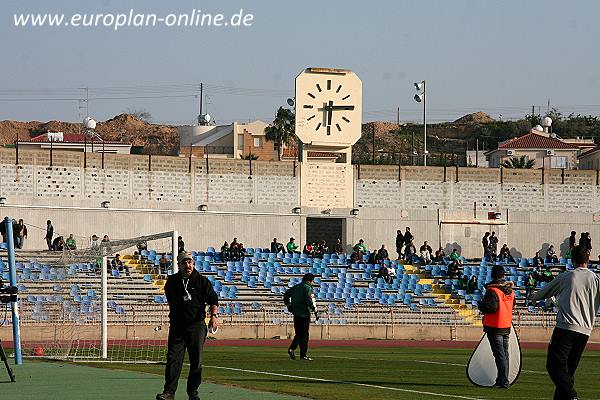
329, 109
348, 108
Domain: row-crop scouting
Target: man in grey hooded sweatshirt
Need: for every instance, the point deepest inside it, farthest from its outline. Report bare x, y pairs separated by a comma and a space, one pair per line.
578, 294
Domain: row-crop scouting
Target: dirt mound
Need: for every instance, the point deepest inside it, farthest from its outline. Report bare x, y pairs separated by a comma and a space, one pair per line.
478, 117
155, 139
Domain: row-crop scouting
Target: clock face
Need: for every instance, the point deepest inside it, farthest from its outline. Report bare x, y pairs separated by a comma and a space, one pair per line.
328, 107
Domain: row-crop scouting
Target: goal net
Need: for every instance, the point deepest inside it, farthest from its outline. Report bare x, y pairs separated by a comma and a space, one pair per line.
89, 304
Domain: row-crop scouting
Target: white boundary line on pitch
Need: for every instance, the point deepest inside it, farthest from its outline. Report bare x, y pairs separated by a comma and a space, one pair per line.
420, 361
342, 382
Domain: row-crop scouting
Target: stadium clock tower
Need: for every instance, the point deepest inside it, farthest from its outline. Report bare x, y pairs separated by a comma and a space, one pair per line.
328, 111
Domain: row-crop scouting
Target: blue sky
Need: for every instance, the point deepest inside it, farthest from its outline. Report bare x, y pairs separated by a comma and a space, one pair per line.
501, 57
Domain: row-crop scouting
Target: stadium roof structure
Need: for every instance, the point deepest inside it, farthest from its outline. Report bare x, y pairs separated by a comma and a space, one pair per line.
534, 140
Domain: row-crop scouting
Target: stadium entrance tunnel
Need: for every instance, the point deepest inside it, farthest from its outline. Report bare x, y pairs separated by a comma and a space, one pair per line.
326, 228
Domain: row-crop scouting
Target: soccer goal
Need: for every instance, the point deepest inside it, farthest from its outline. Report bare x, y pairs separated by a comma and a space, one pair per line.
90, 305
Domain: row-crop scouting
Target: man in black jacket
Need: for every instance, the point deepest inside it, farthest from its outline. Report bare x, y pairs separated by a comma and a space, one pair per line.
188, 293
399, 243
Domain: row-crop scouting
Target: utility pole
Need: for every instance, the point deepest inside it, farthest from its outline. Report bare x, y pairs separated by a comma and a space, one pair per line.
373, 130
201, 88
476, 152
412, 148
398, 116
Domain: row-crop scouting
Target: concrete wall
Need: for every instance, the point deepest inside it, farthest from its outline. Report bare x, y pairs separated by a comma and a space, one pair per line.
254, 200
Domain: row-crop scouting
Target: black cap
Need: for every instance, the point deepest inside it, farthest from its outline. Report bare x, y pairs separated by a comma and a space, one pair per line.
308, 277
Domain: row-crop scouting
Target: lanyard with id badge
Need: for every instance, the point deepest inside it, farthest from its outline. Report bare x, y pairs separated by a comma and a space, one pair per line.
187, 296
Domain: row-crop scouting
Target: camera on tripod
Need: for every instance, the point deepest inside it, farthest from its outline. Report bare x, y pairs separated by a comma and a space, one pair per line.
8, 294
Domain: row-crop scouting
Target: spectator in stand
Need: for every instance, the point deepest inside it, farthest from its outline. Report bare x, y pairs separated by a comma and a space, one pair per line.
494, 243
505, 254
578, 298
399, 243
226, 252
355, 257
425, 250
454, 256
453, 270
583, 240
568, 253
485, 242
439, 256
49, 234
319, 249
241, 251
338, 248
118, 264
233, 250
308, 249
391, 273
292, 247
547, 275
71, 244
324, 248
551, 256
408, 238
58, 244
180, 245
383, 273
3, 230
141, 246
472, 284
360, 246
382, 254
538, 261
276, 247
530, 284
20, 234
163, 265
409, 251
588, 242
572, 240
463, 282
94, 242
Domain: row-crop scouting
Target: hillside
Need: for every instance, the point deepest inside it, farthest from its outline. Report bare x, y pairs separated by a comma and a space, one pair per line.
447, 140
155, 139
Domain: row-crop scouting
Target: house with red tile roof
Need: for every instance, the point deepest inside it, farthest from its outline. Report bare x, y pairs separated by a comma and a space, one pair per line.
545, 149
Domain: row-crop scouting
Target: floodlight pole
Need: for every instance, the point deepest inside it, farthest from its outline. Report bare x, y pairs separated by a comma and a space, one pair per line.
424, 127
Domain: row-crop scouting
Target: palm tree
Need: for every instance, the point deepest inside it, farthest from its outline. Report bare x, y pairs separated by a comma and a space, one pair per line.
281, 130
518, 162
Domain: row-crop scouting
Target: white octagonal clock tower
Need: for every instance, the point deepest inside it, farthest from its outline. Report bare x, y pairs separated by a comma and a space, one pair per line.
328, 110
328, 119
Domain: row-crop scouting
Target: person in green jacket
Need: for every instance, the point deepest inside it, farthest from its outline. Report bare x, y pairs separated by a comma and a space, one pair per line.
292, 247
300, 301
360, 246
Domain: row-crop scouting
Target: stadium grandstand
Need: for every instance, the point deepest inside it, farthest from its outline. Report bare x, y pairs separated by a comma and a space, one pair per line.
60, 302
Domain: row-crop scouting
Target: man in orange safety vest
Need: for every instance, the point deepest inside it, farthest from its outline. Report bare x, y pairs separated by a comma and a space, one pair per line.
497, 308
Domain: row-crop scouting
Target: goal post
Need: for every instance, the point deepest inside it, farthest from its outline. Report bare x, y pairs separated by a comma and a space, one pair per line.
8, 229
78, 306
